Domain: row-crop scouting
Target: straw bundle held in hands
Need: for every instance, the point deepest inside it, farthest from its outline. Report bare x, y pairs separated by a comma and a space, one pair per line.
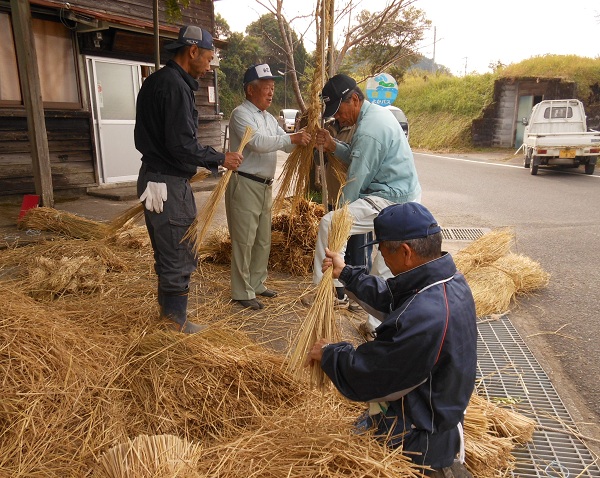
201, 224
295, 177
135, 212
320, 321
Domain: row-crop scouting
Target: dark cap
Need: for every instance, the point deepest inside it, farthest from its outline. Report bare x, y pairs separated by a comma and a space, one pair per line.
403, 222
192, 35
258, 72
334, 91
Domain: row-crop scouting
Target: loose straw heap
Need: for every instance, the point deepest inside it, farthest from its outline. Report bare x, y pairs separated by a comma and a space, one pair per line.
496, 276
320, 321
203, 221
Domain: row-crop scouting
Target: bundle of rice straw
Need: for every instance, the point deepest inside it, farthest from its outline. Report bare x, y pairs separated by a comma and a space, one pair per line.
485, 250
496, 275
492, 290
320, 321
197, 231
295, 177
135, 212
61, 222
156, 456
527, 274
486, 454
505, 422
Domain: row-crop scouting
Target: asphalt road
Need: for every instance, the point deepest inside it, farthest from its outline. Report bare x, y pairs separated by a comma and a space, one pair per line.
556, 218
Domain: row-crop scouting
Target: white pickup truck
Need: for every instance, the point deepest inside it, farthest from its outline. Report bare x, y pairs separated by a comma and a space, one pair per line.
556, 135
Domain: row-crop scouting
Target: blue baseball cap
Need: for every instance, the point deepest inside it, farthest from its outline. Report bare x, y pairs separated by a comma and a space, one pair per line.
192, 35
403, 222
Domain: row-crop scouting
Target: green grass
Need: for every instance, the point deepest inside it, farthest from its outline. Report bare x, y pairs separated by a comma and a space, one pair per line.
441, 108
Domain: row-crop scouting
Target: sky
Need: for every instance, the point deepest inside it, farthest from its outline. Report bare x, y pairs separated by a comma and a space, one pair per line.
471, 34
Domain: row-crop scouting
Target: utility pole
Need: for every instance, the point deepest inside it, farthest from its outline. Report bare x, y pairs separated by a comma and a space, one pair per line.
465, 65
434, 68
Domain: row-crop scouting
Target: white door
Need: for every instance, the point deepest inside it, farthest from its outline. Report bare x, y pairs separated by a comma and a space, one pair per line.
114, 86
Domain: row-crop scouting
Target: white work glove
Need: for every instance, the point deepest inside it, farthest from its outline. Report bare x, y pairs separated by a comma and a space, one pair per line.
154, 195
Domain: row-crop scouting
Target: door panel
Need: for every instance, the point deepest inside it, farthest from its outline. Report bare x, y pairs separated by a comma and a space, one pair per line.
523, 111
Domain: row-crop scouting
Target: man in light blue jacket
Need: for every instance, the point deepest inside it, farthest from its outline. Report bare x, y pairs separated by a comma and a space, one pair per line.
381, 167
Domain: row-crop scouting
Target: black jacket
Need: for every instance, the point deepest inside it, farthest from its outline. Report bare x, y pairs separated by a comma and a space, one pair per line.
423, 361
167, 123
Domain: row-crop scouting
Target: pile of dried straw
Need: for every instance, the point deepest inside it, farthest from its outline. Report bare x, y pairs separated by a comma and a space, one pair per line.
293, 237
90, 372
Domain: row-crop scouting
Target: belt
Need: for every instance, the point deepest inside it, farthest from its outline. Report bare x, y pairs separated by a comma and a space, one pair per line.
258, 179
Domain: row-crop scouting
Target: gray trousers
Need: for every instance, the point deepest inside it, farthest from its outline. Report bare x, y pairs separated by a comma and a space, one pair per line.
174, 261
248, 205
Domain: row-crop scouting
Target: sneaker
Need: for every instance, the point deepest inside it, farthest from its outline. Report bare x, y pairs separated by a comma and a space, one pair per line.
341, 303
354, 306
366, 331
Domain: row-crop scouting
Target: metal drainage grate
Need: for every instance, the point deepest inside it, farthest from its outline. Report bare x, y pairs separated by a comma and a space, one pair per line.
508, 370
463, 233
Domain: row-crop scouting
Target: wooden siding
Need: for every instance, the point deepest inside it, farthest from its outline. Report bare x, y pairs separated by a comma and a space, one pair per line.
127, 34
69, 142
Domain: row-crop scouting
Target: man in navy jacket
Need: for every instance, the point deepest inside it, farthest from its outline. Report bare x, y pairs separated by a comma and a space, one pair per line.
419, 372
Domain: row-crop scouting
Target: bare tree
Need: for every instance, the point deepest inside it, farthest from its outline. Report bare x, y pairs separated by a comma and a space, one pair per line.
385, 37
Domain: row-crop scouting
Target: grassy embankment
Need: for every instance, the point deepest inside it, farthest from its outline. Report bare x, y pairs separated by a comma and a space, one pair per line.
441, 108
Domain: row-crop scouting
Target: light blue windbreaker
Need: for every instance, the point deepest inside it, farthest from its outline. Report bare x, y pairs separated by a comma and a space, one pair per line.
380, 160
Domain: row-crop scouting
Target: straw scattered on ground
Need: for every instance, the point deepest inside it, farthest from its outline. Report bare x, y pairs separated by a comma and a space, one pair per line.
89, 370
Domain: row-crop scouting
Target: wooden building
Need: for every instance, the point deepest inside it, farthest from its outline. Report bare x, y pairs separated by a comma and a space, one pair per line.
69, 77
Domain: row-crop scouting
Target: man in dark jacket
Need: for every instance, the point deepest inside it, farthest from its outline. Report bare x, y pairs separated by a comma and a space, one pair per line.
419, 372
166, 135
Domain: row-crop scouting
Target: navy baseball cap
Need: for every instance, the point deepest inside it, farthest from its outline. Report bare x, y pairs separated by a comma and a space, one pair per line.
258, 72
334, 91
403, 222
192, 35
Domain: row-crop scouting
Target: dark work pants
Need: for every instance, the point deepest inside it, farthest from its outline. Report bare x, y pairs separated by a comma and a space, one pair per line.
356, 255
174, 261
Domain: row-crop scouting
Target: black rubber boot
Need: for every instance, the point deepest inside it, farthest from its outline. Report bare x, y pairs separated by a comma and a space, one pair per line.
160, 296
174, 308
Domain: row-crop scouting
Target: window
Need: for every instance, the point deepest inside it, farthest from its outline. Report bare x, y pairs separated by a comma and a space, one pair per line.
10, 91
56, 64
558, 112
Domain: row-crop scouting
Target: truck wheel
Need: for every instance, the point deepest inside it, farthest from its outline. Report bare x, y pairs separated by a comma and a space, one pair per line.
534, 165
589, 168
527, 161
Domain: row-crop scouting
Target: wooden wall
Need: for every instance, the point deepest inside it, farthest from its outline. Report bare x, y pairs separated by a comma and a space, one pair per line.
70, 132
69, 142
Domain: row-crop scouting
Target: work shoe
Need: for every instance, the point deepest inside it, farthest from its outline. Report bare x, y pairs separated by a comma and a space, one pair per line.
187, 328
342, 303
268, 293
457, 470
253, 304
367, 332
354, 306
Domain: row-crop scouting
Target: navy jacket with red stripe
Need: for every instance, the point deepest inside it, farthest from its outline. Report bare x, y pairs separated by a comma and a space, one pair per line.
422, 362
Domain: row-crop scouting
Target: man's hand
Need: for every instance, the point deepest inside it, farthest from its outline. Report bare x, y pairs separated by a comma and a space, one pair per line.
324, 139
316, 353
154, 196
301, 138
335, 260
232, 161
